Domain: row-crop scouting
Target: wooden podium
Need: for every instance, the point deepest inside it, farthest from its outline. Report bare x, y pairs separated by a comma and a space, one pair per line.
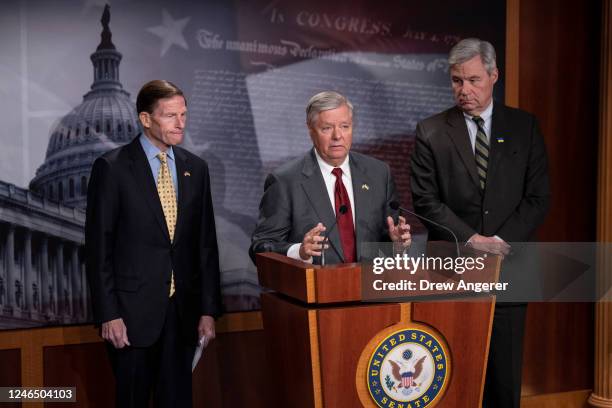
321, 337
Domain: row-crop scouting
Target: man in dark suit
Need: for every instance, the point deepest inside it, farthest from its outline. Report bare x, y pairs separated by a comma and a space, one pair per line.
480, 168
152, 257
305, 196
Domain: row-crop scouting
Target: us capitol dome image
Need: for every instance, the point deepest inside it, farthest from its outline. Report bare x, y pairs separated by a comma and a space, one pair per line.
104, 120
42, 268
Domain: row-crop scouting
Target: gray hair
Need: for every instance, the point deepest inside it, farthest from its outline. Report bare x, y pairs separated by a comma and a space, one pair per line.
468, 48
324, 101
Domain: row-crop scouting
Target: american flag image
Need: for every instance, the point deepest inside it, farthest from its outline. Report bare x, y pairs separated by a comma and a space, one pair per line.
407, 379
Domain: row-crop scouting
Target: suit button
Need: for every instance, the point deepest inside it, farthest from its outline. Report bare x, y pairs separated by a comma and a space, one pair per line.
486, 212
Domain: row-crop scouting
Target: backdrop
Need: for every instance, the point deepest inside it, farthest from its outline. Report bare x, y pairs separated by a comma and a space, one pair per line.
69, 75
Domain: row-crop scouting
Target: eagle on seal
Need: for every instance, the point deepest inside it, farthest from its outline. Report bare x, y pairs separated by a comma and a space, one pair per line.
407, 377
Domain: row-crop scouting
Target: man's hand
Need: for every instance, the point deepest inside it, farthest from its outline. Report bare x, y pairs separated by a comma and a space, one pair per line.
312, 244
492, 245
399, 233
115, 332
206, 328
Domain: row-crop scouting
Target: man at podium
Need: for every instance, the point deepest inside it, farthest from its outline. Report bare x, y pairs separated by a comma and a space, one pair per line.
331, 199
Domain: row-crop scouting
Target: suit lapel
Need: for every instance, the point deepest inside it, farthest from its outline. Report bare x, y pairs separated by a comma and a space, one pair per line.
362, 200
183, 178
458, 133
141, 170
316, 192
498, 150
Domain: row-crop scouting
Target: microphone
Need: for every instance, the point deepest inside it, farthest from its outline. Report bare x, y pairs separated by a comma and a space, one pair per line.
341, 211
396, 206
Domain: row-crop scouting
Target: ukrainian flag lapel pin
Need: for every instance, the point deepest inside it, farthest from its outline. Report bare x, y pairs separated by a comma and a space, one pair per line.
500, 140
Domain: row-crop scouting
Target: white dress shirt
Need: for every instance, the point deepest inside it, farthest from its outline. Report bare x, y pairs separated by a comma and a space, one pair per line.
487, 116
330, 181
330, 185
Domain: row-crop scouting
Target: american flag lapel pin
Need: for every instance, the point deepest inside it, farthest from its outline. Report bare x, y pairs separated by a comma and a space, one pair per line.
187, 174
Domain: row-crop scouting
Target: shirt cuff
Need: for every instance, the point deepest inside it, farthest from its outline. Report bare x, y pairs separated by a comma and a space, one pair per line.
294, 252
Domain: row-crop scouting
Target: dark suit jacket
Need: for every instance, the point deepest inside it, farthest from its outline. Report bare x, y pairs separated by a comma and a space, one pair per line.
129, 254
445, 185
295, 200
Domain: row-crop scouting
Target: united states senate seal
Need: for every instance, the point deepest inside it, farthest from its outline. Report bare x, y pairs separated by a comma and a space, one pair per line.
408, 369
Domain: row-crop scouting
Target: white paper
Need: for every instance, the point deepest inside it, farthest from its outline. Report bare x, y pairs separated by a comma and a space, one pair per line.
202, 343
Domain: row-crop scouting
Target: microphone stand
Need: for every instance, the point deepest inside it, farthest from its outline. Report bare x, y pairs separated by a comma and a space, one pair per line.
341, 211
395, 206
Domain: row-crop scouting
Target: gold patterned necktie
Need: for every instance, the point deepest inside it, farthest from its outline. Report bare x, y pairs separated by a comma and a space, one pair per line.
167, 197
481, 151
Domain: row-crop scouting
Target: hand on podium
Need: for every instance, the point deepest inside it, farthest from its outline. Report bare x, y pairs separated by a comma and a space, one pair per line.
494, 245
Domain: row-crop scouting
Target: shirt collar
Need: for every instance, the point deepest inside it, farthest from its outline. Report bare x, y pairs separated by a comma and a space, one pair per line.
327, 168
151, 151
485, 114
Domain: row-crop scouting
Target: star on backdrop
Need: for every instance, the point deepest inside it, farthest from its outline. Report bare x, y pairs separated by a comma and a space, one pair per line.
170, 32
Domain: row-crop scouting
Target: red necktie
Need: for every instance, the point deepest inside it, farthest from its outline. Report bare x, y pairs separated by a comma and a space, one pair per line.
345, 221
